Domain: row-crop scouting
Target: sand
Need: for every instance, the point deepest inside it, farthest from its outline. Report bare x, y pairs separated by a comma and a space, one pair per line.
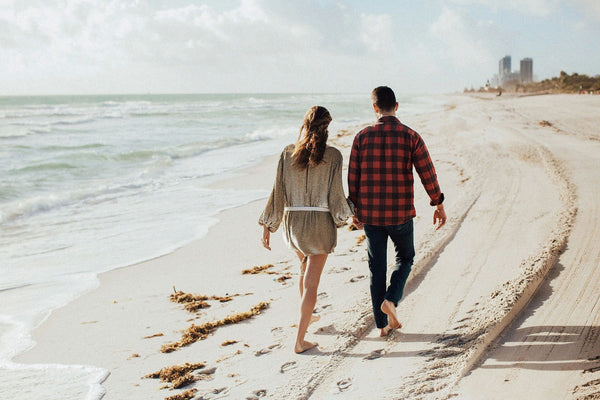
502, 302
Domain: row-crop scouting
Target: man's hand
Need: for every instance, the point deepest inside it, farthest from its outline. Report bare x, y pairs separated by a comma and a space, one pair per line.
266, 238
439, 216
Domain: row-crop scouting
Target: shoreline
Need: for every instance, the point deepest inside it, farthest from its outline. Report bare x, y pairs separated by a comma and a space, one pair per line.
41, 336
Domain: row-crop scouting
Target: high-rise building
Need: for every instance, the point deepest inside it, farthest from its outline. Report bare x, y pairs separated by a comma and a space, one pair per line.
526, 74
504, 69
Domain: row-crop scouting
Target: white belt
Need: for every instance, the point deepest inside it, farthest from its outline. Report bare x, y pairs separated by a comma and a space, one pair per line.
325, 209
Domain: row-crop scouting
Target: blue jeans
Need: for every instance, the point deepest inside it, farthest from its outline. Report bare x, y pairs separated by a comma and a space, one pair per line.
377, 237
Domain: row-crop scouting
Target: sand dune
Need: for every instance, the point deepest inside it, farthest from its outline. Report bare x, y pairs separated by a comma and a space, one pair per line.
502, 302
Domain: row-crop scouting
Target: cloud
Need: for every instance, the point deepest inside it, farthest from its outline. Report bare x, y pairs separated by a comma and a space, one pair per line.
463, 41
251, 45
126, 45
538, 8
377, 32
591, 7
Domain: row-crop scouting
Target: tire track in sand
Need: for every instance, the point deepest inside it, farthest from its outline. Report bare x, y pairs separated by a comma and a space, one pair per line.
555, 341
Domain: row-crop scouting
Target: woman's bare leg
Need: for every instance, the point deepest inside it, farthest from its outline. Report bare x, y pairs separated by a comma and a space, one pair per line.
303, 260
312, 278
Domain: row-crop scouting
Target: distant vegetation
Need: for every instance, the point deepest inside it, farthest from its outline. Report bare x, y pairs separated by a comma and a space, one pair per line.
565, 83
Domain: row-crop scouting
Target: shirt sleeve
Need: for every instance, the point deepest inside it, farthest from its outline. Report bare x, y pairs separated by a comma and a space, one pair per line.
273, 213
425, 169
354, 173
338, 206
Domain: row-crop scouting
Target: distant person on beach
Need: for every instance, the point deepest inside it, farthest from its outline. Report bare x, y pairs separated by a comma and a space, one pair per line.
308, 195
380, 182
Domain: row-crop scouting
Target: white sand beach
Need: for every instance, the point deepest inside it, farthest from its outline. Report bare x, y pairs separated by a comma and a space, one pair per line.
502, 302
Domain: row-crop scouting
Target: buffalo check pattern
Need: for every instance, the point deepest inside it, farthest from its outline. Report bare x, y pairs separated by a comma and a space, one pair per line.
380, 173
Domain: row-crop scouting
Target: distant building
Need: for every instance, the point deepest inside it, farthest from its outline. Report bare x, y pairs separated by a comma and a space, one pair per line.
504, 69
526, 73
505, 73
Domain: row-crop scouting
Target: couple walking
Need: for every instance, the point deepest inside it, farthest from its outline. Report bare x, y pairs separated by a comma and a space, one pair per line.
309, 197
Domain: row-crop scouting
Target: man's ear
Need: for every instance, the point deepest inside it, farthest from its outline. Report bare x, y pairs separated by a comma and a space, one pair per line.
396, 108
376, 109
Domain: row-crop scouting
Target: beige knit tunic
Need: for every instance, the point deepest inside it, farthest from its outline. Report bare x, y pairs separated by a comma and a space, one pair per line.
310, 232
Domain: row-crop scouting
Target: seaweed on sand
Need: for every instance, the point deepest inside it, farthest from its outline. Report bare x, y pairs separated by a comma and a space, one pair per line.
188, 394
194, 302
259, 270
284, 278
177, 375
360, 239
200, 332
153, 336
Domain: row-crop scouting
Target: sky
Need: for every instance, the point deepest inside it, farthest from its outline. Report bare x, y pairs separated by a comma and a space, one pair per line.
286, 46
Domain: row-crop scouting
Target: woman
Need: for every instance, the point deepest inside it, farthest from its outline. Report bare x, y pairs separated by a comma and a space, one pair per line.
309, 197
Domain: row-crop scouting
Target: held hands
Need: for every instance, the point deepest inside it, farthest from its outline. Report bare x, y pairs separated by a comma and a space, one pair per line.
266, 238
439, 217
357, 223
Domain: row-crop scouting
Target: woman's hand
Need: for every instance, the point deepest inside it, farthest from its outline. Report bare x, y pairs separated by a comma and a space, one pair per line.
266, 238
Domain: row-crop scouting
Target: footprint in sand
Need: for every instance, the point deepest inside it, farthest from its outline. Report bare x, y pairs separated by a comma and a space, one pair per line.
340, 270
344, 384
267, 350
277, 331
375, 354
215, 394
287, 366
320, 309
327, 330
257, 394
207, 374
357, 278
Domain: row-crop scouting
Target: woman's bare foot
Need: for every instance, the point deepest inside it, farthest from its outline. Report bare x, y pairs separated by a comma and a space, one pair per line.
390, 310
314, 318
302, 347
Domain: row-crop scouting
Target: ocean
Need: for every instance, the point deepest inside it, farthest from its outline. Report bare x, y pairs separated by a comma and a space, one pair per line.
93, 183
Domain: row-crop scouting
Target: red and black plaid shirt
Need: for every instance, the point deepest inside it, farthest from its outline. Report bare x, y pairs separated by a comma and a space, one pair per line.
380, 178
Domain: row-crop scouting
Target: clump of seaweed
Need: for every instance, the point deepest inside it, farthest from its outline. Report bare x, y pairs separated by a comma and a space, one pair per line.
188, 394
190, 301
177, 375
284, 278
360, 239
200, 332
228, 343
153, 336
194, 302
259, 270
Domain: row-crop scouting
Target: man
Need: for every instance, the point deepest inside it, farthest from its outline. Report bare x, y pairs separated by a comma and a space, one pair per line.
380, 182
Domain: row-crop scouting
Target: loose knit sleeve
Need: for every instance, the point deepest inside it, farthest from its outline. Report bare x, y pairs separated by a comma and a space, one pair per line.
338, 205
273, 213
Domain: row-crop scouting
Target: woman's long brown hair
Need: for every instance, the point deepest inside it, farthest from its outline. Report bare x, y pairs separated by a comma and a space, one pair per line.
310, 148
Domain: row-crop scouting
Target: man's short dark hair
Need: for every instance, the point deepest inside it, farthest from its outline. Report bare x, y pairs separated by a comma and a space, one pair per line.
384, 98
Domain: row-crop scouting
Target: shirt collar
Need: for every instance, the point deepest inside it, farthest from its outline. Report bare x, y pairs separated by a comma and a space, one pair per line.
388, 118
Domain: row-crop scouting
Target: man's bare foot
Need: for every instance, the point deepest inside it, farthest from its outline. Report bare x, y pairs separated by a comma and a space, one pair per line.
385, 331
390, 310
302, 347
